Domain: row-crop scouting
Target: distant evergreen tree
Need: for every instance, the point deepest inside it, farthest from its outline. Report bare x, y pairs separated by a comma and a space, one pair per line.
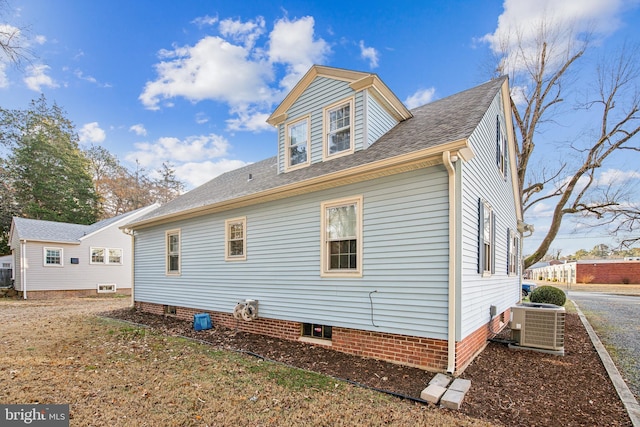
47, 175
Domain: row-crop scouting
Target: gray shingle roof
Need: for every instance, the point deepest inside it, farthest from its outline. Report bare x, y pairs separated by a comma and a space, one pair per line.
446, 120
61, 232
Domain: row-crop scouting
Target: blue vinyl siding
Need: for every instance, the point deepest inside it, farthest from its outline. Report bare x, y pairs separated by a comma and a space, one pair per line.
481, 179
379, 121
405, 258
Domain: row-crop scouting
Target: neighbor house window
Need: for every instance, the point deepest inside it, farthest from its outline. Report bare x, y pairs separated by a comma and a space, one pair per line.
486, 264
106, 256
115, 256
338, 129
314, 330
173, 252
342, 237
97, 255
501, 148
297, 143
53, 257
513, 257
236, 239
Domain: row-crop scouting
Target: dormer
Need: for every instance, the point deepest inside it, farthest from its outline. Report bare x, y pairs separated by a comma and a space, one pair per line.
333, 112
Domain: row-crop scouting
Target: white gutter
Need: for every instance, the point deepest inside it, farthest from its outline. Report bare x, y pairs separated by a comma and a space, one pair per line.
23, 268
448, 160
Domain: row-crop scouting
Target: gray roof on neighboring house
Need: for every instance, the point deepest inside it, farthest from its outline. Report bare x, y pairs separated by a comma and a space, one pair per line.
446, 120
61, 232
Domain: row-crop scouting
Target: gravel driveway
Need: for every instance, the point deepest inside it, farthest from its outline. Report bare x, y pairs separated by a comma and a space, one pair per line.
616, 319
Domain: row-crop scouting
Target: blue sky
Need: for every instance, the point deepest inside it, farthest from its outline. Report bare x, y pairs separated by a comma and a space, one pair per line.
193, 81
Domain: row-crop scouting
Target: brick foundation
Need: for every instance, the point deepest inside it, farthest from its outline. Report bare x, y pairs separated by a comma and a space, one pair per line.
425, 353
473, 344
59, 294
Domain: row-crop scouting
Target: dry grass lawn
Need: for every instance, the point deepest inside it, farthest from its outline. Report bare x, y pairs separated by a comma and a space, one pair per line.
117, 374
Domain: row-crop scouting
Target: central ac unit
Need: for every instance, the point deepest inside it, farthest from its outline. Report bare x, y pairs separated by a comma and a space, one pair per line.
538, 327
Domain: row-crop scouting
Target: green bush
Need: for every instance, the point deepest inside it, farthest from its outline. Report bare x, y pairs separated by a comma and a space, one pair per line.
548, 295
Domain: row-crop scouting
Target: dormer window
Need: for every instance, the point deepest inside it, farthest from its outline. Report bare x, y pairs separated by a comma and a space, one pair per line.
338, 129
297, 141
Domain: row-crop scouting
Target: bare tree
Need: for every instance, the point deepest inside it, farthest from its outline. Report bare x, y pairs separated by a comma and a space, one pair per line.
13, 46
540, 70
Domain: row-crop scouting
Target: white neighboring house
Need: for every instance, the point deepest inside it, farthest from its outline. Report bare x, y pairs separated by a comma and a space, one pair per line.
57, 259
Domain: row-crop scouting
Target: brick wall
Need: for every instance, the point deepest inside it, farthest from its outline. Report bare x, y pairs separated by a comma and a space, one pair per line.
426, 353
59, 294
609, 273
472, 345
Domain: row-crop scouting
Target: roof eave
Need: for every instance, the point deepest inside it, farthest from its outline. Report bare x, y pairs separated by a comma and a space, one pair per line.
403, 163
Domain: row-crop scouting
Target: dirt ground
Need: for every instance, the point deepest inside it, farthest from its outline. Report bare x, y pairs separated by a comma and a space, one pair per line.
510, 388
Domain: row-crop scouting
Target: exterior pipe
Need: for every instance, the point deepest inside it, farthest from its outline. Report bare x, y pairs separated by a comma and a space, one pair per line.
448, 160
23, 268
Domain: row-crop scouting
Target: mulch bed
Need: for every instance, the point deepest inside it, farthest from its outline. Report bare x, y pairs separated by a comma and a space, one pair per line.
508, 387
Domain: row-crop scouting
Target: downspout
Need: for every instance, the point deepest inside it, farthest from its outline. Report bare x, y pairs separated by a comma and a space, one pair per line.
448, 160
23, 268
133, 264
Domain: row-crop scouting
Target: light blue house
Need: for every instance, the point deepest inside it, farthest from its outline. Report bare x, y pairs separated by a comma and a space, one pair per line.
375, 231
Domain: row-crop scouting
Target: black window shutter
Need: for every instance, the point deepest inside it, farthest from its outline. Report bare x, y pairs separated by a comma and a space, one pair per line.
480, 236
508, 251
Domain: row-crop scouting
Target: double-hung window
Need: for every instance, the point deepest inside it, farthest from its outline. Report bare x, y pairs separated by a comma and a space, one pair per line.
342, 237
338, 129
486, 249
173, 252
297, 143
52, 257
513, 256
236, 239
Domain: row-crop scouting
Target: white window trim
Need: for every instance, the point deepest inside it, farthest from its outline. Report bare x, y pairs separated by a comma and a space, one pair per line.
227, 225
106, 259
104, 255
324, 250
106, 288
44, 256
287, 151
488, 259
166, 252
325, 129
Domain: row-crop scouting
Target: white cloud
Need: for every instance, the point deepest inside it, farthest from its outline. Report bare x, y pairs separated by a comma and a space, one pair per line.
612, 177
205, 20
244, 32
248, 119
138, 129
233, 68
294, 44
191, 149
370, 54
4, 81
37, 78
420, 97
520, 24
91, 132
195, 174
211, 69
201, 118
40, 39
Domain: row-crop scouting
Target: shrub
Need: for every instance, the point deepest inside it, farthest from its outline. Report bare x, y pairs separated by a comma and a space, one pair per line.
548, 295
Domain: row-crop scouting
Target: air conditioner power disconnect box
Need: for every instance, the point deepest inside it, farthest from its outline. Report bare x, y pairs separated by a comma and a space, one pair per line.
201, 321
